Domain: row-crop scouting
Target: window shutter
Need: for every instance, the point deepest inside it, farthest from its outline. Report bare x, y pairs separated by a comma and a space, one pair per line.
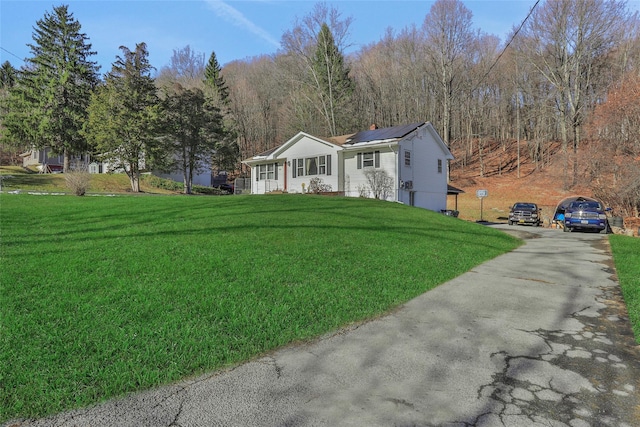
275, 171
257, 173
377, 159
294, 169
359, 160
328, 164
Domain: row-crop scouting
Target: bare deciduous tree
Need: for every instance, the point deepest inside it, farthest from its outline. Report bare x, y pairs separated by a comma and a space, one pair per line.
186, 68
316, 45
614, 156
565, 42
380, 183
449, 38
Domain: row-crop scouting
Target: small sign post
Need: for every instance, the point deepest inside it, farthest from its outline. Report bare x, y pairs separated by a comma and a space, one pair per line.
481, 194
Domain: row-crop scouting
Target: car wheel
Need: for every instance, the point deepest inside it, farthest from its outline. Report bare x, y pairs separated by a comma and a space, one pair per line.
510, 222
566, 229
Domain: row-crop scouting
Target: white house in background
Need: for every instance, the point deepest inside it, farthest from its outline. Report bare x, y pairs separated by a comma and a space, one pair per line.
44, 161
413, 156
204, 178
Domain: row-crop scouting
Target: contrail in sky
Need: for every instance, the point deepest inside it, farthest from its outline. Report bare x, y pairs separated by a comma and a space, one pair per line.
232, 15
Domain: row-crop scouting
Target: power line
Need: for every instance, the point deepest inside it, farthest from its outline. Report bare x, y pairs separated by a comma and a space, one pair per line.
12, 54
507, 45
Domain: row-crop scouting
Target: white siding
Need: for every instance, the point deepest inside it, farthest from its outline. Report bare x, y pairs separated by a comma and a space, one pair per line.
303, 147
42, 156
428, 190
307, 148
429, 186
202, 179
267, 184
355, 182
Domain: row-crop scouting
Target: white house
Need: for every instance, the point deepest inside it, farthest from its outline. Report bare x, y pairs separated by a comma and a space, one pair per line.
45, 161
290, 166
412, 159
203, 178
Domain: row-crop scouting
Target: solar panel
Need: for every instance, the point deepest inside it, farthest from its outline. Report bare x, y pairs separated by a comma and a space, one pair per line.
384, 133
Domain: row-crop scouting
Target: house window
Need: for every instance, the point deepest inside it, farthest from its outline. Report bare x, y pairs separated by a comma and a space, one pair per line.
439, 165
369, 159
320, 165
266, 171
407, 158
311, 166
300, 166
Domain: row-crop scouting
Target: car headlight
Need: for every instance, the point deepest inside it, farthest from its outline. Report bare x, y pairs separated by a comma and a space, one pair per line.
602, 216
534, 215
567, 215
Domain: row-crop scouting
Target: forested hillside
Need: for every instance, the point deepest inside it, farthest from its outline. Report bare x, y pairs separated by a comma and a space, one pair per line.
563, 85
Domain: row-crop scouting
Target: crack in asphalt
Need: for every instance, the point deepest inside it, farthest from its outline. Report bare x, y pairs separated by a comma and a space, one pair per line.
569, 390
175, 422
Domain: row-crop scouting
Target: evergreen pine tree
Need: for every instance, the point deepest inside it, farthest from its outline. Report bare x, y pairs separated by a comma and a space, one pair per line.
191, 127
48, 106
213, 79
8, 79
227, 152
123, 116
8, 76
334, 86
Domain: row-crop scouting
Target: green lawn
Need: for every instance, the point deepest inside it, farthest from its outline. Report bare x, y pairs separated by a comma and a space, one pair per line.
626, 256
102, 296
16, 178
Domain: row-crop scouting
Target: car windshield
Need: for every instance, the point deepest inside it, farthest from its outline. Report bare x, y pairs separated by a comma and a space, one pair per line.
585, 205
524, 206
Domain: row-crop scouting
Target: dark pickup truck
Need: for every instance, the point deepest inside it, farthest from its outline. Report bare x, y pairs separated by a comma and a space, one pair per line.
585, 215
525, 213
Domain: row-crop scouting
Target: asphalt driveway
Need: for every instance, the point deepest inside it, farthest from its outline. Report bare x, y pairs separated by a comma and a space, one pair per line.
535, 337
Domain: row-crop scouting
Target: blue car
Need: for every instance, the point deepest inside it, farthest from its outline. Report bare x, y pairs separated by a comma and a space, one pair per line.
585, 214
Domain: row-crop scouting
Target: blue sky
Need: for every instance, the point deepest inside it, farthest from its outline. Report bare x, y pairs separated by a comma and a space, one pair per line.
234, 29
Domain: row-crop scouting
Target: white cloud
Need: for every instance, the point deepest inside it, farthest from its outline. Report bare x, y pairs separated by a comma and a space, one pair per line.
235, 17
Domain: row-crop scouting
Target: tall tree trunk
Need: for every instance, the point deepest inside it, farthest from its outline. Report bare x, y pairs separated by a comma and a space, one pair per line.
65, 165
576, 143
134, 179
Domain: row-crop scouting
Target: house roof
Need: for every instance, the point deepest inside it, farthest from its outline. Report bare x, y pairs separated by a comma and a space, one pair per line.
453, 190
394, 132
338, 140
349, 141
274, 152
266, 153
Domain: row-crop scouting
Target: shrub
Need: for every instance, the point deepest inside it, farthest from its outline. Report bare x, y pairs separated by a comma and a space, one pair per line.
168, 184
380, 182
363, 191
78, 180
316, 185
165, 184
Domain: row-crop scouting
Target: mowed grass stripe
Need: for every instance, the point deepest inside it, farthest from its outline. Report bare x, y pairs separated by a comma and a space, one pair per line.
626, 256
103, 296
